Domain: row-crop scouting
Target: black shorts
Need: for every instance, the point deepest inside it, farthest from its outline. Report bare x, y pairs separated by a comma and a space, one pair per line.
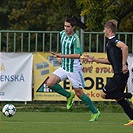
116, 84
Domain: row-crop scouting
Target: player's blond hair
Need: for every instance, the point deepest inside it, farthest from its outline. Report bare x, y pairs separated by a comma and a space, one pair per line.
112, 24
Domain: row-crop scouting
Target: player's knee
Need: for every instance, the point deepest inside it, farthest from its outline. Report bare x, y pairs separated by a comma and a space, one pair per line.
48, 82
78, 92
103, 94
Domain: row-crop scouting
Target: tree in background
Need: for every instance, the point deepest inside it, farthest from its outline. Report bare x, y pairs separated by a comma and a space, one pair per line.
3, 14
97, 12
50, 14
40, 14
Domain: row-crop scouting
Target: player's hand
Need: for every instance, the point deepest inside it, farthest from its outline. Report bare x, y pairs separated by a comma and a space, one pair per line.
124, 69
53, 53
56, 55
89, 58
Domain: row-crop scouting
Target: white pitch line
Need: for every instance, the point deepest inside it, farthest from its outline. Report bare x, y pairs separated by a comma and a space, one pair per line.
74, 123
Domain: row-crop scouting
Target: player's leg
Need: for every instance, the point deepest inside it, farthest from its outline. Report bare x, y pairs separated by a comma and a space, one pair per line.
88, 102
114, 89
77, 80
117, 95
52, 82
126, 107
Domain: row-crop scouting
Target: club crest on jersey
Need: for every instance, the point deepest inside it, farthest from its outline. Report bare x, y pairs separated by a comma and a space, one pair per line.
67, 41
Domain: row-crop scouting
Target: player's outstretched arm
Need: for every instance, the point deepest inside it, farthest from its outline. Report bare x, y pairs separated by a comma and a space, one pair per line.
97, 60
74, 56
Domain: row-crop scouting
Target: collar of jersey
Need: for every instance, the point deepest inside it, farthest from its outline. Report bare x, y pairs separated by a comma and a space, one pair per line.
111, 37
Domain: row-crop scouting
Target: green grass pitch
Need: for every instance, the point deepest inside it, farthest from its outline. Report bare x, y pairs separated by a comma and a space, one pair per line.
63, 122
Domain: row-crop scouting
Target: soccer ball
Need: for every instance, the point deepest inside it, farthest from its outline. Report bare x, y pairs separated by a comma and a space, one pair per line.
9, 110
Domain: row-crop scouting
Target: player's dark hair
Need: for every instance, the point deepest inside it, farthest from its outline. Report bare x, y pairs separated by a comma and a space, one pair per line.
112, 24
74, 21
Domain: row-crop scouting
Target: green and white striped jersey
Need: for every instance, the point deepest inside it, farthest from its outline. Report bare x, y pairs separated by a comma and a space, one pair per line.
70, 45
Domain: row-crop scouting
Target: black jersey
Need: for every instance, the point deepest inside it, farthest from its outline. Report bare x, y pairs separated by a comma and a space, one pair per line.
114, 54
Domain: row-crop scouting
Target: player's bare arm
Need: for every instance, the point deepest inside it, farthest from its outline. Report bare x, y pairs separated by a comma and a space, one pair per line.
124, 49
57, 55
97, 60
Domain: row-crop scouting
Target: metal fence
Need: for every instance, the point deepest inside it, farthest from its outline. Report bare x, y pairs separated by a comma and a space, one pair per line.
47, 41
29, 41
96, 41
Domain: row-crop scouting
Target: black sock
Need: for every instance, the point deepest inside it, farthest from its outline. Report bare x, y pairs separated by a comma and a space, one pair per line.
126, 107
118, 95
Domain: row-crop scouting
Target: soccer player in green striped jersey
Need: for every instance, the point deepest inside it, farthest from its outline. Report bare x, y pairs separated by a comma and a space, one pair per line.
71, 68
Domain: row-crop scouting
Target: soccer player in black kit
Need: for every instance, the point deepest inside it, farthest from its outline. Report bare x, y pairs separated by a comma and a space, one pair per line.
117, 54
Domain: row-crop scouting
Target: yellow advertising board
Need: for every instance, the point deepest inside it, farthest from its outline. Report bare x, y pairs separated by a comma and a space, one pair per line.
95, 75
